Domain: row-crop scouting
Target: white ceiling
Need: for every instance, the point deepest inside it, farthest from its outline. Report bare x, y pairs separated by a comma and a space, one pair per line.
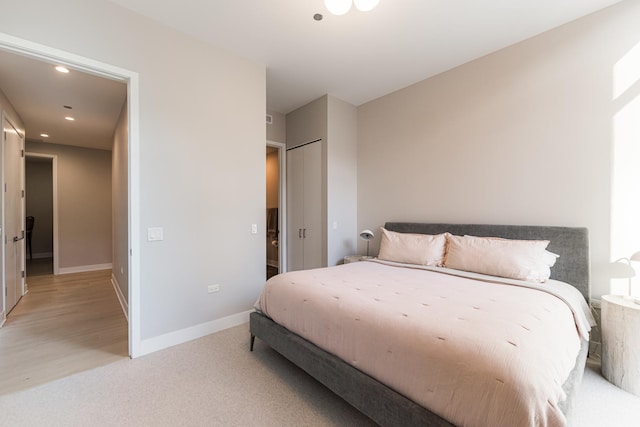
359, 56
356, 57
39, 94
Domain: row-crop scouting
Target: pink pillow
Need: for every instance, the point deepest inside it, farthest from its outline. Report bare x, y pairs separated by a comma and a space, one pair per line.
421, 249
514, 259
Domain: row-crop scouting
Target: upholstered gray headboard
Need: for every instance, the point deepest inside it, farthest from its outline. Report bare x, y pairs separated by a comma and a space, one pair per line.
571, 243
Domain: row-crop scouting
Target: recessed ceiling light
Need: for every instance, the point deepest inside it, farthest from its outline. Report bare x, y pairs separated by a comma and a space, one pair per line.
62, 69
44, 135
69, 118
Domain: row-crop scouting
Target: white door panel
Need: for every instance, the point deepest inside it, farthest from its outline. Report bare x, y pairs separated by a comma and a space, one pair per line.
13, 214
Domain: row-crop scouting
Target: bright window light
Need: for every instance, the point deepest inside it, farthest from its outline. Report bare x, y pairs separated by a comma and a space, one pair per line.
625, 174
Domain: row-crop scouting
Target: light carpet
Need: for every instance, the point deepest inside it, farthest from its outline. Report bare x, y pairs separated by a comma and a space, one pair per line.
216, 381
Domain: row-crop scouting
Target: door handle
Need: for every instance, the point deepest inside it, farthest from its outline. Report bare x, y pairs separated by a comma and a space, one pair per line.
17, 239
304, 233
300, 233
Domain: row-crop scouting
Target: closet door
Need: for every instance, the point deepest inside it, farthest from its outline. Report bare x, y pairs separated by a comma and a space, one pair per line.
304, 207
312, 230
295, 209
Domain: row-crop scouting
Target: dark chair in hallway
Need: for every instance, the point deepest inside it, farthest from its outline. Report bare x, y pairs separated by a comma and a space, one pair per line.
30, 222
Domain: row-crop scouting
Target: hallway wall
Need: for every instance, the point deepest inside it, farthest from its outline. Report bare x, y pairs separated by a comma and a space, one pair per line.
84, 205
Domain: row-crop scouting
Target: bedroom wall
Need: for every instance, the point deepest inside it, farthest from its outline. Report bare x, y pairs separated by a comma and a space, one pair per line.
277, 131
335, 122
201, 169
531, 134
84, 205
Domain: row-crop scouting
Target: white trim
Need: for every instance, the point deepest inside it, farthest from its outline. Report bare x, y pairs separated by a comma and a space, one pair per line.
49, 54
193, 332
121, 299
282, 203
84, 268
3, 319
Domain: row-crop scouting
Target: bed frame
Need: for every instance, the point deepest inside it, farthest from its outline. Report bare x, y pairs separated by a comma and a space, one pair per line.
386, 406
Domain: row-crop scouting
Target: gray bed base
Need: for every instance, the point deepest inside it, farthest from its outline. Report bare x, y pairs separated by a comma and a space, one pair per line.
386, 406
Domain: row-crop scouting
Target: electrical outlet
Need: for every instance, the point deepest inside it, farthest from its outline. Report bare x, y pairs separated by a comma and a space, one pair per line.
213, 288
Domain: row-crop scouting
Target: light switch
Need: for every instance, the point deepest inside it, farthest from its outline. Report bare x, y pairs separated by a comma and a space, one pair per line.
154, 234
254, 228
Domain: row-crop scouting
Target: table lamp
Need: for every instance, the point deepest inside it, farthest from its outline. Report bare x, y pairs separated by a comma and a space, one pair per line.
368, 235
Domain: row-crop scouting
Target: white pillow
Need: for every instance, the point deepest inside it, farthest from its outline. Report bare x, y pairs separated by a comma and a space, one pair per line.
515, 259
421, 249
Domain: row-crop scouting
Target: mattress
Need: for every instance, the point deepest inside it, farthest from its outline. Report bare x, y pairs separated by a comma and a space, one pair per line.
475, 350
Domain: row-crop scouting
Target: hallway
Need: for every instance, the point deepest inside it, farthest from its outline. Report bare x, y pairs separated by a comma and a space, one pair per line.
65, 324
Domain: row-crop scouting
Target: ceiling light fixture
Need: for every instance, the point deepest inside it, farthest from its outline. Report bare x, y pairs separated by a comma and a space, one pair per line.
69, 118
340, 7
44, 135
62, 69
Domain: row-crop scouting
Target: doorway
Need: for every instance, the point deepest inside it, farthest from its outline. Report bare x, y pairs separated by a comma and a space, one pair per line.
276, 209
41, 211
132, 227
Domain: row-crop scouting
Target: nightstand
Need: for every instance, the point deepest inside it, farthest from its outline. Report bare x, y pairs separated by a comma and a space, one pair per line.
621, 342
355, 258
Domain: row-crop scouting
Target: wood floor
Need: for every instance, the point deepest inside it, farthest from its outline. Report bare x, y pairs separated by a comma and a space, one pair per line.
65, 324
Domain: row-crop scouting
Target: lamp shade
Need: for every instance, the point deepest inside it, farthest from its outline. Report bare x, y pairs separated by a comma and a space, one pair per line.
366, 5
338, 7
366, 235
621, 270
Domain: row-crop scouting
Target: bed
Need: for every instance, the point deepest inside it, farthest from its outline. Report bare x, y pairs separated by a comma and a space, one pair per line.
381, 401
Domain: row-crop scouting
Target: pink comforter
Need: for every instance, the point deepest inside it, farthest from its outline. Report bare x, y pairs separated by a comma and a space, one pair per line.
477, 353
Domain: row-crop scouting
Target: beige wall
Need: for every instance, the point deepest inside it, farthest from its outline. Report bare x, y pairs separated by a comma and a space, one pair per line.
202, 166
277, 131
272, 180
522, 136
84, 204
335, 123
120, 203
342, 179
39, 203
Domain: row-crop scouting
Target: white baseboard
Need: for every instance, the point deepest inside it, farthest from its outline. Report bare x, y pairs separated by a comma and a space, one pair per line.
151, 345
84, 268
41, 255
121, 299
3, 319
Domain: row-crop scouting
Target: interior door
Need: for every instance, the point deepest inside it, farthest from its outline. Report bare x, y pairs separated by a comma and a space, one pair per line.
13, 214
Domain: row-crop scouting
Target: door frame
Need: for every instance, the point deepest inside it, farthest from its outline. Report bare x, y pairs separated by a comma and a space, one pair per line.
54, 179
131, 79
282, 203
